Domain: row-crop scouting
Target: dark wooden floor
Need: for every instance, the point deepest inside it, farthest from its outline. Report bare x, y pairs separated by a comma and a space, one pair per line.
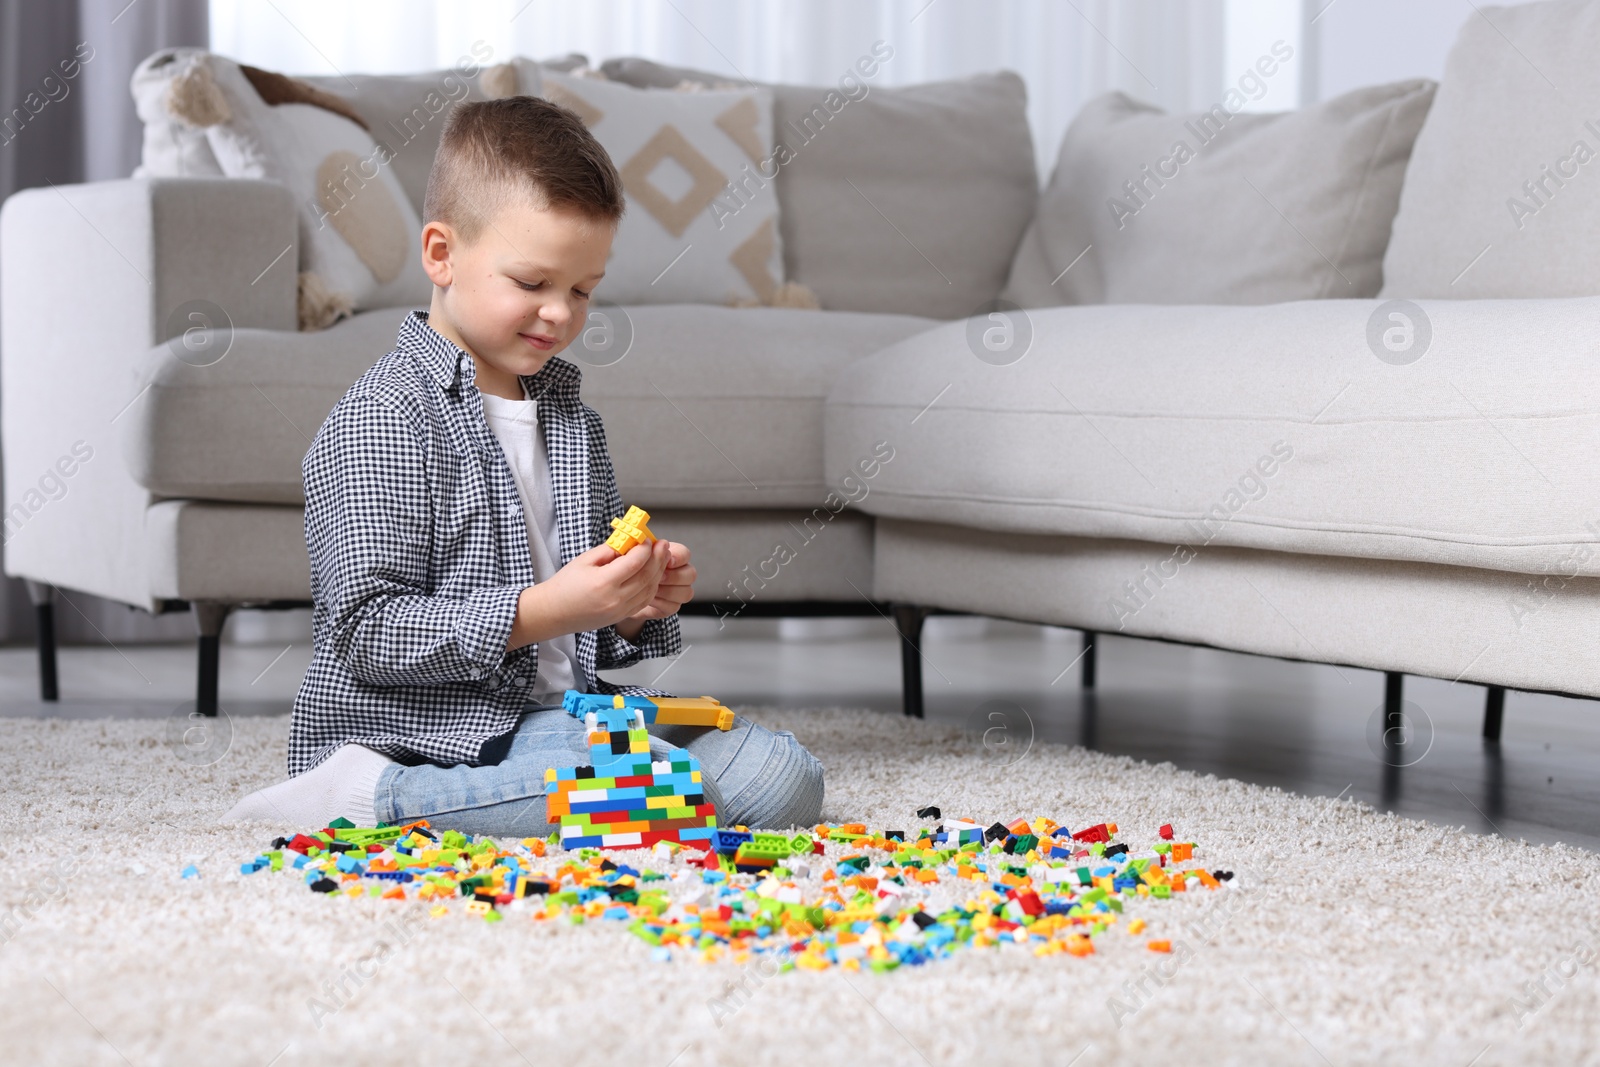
1313, 730
1309, 729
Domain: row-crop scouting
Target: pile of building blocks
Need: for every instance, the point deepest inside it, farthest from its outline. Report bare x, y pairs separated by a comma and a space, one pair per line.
837, 895
623, 798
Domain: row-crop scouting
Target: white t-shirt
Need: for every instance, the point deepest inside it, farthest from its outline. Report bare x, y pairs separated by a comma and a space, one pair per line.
515, 423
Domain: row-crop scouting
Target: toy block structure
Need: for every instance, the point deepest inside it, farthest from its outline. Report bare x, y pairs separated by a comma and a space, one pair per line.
630, 530
667, 711
624, 799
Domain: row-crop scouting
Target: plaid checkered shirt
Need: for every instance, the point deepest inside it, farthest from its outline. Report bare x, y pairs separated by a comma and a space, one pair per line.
419, 551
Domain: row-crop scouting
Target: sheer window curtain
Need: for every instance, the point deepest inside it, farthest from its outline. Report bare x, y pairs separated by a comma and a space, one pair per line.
1171, 53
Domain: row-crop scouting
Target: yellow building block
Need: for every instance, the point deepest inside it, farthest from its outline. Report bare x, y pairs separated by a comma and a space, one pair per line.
692, 711
630, 530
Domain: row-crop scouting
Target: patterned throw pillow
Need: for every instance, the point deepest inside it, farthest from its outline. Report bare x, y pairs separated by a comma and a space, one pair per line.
360, 237
702, 223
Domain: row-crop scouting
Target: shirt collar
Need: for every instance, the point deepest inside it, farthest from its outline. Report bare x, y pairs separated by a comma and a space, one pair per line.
446, 363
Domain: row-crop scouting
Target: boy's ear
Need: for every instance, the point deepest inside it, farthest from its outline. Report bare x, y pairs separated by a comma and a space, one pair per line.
437, 240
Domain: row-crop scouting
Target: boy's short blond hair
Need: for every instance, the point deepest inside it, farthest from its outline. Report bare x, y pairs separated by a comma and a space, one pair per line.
492, 152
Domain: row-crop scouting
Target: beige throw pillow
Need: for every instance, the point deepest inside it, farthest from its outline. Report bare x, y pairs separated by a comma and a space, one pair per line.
1218, 207
1503, 195
688, 235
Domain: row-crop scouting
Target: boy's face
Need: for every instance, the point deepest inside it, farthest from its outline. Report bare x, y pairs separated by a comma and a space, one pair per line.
518, 294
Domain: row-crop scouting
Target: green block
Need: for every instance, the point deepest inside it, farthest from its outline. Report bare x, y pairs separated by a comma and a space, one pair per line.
1163, 847
1162, 891
1026, 843
1084, 877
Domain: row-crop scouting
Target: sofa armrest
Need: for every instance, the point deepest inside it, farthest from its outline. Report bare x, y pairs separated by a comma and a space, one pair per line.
91, 277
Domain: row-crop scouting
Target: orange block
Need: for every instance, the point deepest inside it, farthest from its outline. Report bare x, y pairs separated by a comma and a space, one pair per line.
1182, 850
1159, 946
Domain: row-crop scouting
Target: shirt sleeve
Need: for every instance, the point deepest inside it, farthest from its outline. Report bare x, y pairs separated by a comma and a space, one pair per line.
369, 531
659, 637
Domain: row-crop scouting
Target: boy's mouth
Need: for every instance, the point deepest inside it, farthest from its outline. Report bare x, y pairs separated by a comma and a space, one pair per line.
542, 344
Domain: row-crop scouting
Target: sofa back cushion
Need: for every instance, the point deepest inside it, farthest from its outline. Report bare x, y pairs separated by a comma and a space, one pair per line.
1502, 198
908, 200
684, 239
1221, 207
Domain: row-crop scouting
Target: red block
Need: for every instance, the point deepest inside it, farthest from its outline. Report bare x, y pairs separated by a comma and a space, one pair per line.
1166, 832
1098, 832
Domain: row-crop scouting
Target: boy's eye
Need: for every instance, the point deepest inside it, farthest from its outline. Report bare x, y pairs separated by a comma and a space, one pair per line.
579, 293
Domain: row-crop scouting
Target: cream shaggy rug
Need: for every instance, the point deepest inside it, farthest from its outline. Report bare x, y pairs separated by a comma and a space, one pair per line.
1347, 936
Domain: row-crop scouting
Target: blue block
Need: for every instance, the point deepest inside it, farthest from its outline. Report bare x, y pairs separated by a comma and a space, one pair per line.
729, 840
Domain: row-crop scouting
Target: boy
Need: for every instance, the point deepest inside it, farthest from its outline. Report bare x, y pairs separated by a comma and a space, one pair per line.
457, 502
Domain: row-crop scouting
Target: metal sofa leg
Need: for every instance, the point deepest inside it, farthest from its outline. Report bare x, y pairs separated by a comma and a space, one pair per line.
908, 619
210, 615
1394, 722
1088, 659
43, 596
1494, 711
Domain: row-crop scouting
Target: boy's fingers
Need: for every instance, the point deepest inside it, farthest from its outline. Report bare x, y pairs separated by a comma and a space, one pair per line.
684, 575
678, 555
601, 553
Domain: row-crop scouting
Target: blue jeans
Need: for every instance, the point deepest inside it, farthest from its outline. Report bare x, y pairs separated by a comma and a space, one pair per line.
754, 776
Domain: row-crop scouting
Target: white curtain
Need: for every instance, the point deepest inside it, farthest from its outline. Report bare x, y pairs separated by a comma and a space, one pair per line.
1169, 52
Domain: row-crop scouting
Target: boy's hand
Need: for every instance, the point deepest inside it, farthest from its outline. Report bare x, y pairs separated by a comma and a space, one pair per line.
596, 589
677, 583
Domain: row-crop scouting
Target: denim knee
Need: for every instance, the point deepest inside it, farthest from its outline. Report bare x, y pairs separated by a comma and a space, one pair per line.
786, 791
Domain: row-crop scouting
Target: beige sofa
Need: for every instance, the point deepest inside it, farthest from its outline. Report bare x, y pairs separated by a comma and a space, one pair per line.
1272, 462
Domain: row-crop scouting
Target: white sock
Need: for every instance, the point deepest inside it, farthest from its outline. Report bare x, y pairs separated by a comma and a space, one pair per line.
344, 784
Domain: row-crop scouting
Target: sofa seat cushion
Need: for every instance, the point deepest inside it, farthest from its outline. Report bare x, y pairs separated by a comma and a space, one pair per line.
722, 407
1273, 427
704, 406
